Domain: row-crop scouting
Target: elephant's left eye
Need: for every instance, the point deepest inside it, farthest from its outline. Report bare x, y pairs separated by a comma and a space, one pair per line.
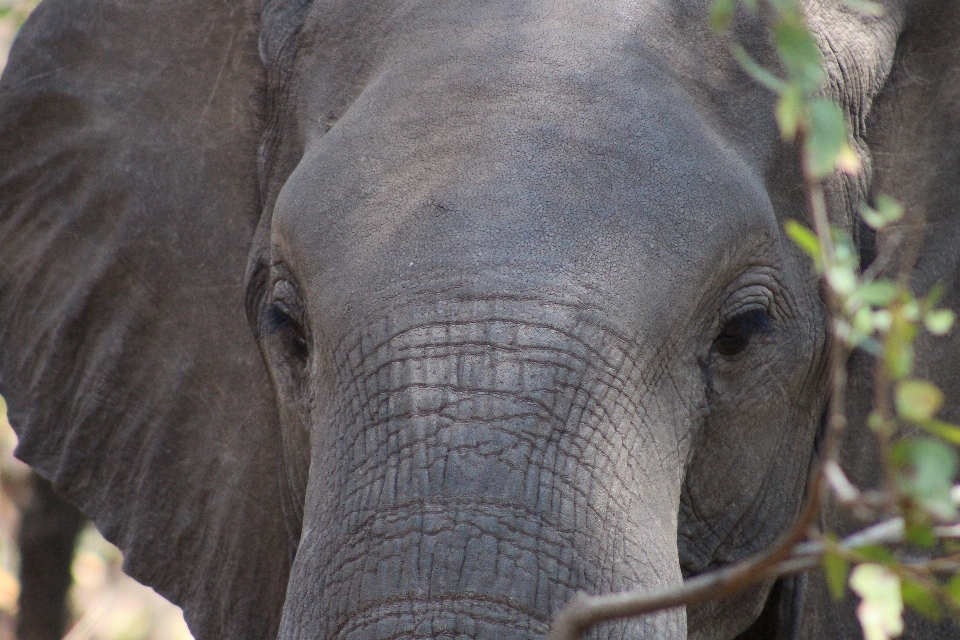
737, 332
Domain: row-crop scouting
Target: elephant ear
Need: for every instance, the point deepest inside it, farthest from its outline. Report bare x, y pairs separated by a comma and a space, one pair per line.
913, 135
128, 202
915, 144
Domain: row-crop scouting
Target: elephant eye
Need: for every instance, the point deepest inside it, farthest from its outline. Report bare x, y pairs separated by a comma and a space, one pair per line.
737, 332
281, 320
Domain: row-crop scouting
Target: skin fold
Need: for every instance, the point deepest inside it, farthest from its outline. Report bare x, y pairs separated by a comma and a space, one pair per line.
406, 319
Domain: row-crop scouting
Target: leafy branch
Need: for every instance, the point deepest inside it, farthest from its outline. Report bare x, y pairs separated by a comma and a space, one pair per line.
917, 503
585, 611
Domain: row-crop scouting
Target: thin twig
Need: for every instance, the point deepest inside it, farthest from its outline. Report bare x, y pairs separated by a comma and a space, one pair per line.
844, 490
585, 611
821, 221
838, 353
885, 256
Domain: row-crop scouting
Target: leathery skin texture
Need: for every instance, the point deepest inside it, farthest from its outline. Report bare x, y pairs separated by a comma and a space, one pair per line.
497, 301
481, 476
382, 319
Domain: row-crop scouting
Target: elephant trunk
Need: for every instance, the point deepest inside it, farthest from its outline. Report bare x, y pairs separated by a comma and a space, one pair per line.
472, 476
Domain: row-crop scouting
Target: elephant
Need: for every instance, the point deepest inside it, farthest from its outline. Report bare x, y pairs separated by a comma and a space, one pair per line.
367, 320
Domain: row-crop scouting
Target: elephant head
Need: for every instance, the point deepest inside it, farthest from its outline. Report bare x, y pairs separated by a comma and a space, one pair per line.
372, 320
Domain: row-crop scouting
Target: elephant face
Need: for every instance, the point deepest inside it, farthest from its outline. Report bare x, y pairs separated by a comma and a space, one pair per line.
521, 300
369, 320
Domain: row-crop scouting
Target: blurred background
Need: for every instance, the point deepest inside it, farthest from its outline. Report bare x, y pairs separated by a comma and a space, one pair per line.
105, 604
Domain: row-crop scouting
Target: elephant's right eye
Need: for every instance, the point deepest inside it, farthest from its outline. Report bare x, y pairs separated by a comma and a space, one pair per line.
282, 321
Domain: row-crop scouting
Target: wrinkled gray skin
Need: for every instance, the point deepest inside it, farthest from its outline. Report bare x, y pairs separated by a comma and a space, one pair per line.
527, 320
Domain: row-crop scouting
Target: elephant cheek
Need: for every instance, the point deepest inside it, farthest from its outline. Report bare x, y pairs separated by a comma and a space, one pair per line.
471, 493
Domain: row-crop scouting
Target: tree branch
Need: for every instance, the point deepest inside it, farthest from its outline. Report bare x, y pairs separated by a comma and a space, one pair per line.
584, 611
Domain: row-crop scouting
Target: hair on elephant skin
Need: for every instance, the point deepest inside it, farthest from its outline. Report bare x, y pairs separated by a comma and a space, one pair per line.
368, 320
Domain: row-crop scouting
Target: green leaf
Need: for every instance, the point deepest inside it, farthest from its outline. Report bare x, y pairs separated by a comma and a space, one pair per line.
757, 72
842, 279
911, 310
939, 322
876, 422
954, 588
899, 361
878, 293
863, 321
920, 534
845, 251
943, 430
799, 53
826, 138
870, 216
790, 111
876, 553
836, 570
882, 320
925, 471
848, 160
867, 7
898, 351
888, 209
950, 546
933, 296
721, 13
805, 239
918, 400
918, 597
881, 609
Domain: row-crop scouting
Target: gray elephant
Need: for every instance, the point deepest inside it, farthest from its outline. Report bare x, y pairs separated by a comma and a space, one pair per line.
369, 320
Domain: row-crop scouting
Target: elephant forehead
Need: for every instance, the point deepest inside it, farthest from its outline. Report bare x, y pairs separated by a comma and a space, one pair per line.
542, 136
648, 215
588, 64
498, 45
